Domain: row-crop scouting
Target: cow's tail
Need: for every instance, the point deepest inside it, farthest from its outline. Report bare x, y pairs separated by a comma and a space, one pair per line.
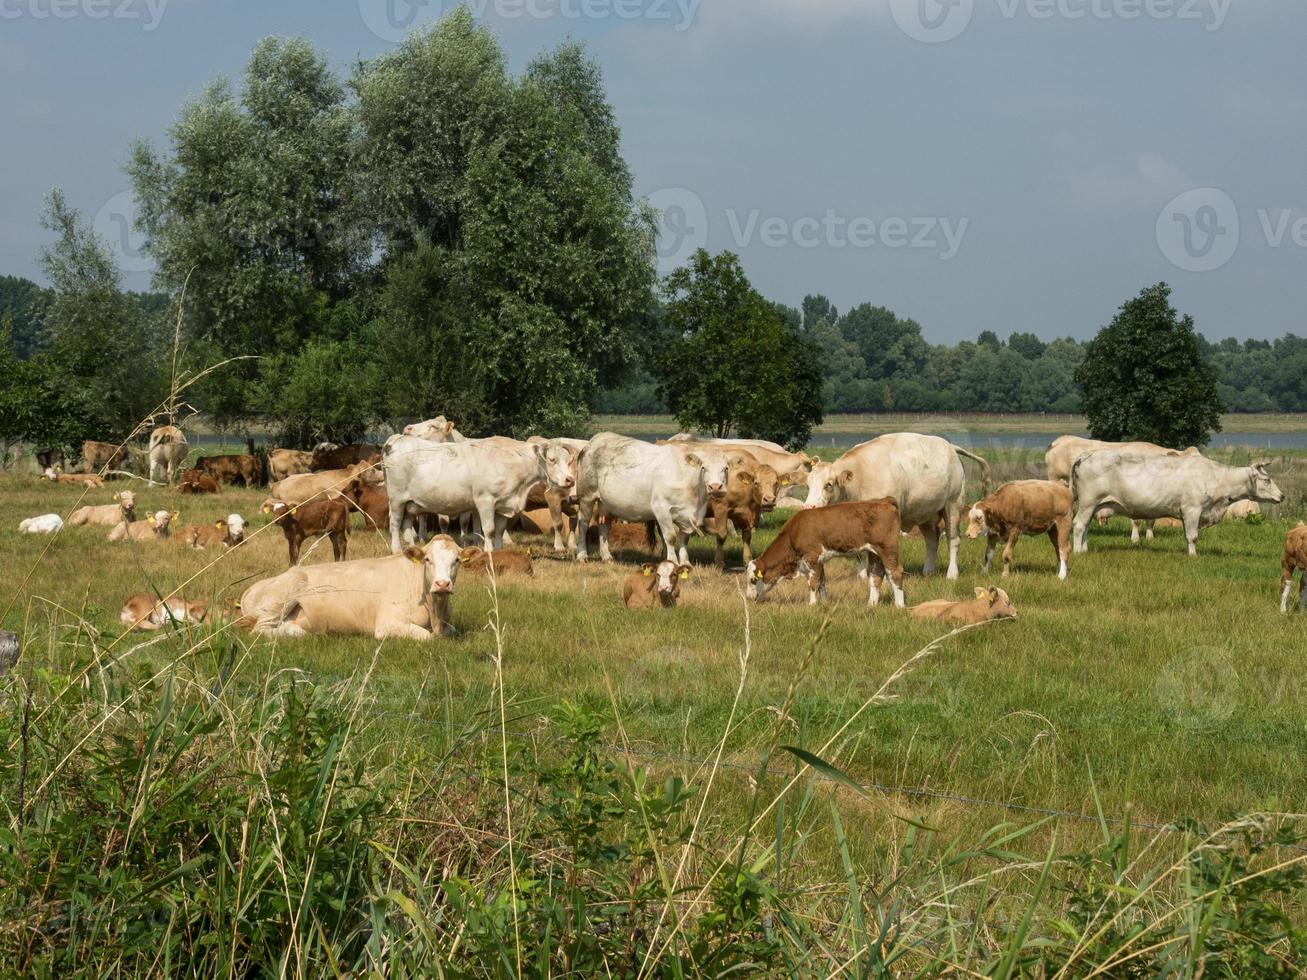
1071, 480
984, 468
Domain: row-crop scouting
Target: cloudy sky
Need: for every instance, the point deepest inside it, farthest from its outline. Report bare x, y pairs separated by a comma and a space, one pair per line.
975, 164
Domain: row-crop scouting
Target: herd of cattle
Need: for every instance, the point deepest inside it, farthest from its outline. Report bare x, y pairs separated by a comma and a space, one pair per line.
430, 483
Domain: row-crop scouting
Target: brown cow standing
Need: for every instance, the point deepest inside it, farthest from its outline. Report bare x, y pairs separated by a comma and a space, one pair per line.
988, 604
324, 516
750, 493
101, 456
196, 482
1295, 559
373, 502
232, 469
476, 561
343, 457
288, 462
655, 586
1029, 506
868, 528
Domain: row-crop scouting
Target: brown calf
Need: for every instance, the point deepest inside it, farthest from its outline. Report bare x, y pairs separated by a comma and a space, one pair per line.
475, 561
241, 468
324, 516
1295, 559
106, 515
988, 604
75, 479
655, 586
142, 612
373, 502
197, 481
219, 534
750, 493
1024, 506
868, 528
343, 457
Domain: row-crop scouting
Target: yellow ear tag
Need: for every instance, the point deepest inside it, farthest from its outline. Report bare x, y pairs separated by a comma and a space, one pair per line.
647, 571
463, 561
757, 573
685, 575
218, 525
415, 559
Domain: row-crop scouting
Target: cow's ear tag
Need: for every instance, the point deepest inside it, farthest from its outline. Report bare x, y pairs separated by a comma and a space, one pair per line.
648, 570
685, 575
218, 525
981, 593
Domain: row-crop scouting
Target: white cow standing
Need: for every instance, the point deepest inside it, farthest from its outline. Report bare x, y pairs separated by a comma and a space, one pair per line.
631, 480
491, 479
1142, 486
168, 451
922, 473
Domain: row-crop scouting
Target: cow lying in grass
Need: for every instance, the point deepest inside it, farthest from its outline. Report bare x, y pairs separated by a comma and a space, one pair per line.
323, 516
143, 613
477, 561
219, 534
78, 479
106, 515
157, 528
1295, 559
197, 482
45, 524
655, 586
1024, 506
404, 596
988, 604
868, 529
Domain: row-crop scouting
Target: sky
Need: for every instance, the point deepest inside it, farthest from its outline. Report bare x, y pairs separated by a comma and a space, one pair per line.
973, 164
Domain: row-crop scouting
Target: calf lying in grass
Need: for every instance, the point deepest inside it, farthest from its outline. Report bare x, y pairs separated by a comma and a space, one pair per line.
157, 528
477, 561
868, 529
655, 586
219, 534
1295, 559
79, 479
106, 515
143, 613
988, 604
45, 524
197, 482
318, 517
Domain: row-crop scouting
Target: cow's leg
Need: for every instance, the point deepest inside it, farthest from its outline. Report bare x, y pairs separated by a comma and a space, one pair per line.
1286, 586
991, 545
294, 542
930, 535
1059, 534
746, 535
682, 547
605, 552
719, 559
555, 502
816, 582
1009, 548
1192, 520
584, 513
398, 517
338, 545
1302, 591
1149, 535
1080, 530
953, 526
875, 578
896, 583
403, 631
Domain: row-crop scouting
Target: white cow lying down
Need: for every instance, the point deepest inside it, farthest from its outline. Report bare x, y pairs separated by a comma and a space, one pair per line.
1196, 490
404, 596
45, 524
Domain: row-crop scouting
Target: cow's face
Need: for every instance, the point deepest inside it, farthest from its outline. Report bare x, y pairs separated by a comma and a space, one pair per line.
235, 528
668, 577
1263, 487
558, 463
439, 429
126, 500
50, 474
1000, 605
275, 508
757, 583
161, 519
716, 470
827, 485
976, 523
768, 485
440, 561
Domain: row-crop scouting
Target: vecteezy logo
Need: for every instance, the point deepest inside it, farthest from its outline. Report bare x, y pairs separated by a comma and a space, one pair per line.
1198, 231
932, 21
115, 224
682, 225
1199, 689
391, 20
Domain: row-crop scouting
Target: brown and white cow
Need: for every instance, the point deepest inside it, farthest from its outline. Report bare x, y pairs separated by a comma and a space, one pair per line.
1024, 507
167, 453
404, 596
74, 479
142, 612
157, 528
236, 468
868, 529
988, 604
325, 516
655, 585
288, 462
106, 515
197, 482
1295, 559
219, 534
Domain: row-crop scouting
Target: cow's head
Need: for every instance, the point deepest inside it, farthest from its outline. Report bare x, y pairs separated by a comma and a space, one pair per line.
276, 509
976, 525
439, 429
50, 474
715, 468
1000, 606
1264, 489
127, 501
235, 529
760, 578
667, 576
160, 520
440, 562
828, 484
557, 462
767, 486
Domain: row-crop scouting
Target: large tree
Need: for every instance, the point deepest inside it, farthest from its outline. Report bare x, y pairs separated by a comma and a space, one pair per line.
1145, 377
736, 364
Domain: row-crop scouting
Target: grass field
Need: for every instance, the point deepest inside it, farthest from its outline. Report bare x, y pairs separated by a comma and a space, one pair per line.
1148, 684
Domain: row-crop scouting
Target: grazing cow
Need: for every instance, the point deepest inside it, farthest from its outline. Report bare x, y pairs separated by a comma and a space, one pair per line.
197, 482
219, 534
167, 452
492, 479
1295, 559
75, 479
507, 561
100, 457
922, 473
142, 612
372, 502
238, 468
288, 462
106, 515
1029, 506
404, 596
988, 604
655, 586
157, 528
327, 516
304, 487
791, 468
45, 524
869, 529
1065, 450
343, 457
750, 493
634, 481
1149, 486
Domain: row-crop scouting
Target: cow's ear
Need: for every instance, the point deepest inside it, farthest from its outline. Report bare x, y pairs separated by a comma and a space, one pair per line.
647, 569
783, 481
981, 593
846, 476
219, 524
115, 496
415, 554
528, 553
692, 460
176, 515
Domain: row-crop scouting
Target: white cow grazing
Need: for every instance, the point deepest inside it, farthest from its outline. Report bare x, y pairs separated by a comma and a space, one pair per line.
490, 479
167, 452
922, 473
45, 524
631, 480
1148, 486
